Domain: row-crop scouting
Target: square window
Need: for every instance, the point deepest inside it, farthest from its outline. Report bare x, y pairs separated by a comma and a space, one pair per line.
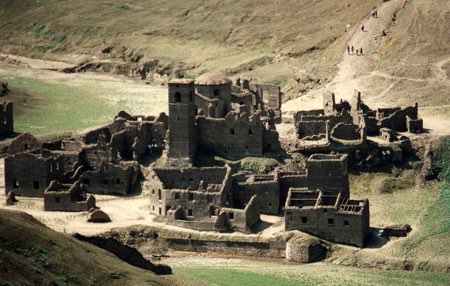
57, 200
190, 196
330, 221
190, 213
304, 219
231, 215
346, 222
231, 131
36, 185
177, 196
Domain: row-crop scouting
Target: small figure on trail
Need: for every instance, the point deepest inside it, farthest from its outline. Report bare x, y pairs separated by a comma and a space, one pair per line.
362, 27
348, 50
383, 33
361, 51
353, 49
374, 12
357, 52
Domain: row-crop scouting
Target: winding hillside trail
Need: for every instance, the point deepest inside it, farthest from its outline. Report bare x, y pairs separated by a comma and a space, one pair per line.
352, 66
354, 71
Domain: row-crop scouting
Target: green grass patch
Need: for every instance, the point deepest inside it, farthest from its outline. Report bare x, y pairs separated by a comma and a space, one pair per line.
226, 276
436, 221
124, 7
58, 108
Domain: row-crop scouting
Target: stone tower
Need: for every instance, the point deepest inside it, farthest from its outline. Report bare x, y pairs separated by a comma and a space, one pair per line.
182, 143
328, 172
329, 103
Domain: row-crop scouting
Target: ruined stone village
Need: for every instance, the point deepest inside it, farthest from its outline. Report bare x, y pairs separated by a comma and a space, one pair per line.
213, 115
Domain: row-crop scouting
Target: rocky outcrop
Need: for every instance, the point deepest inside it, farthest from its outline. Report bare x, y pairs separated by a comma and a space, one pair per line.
126, 253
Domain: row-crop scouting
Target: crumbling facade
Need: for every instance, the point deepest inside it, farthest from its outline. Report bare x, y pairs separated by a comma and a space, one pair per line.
66, 197
204, 117
29, 174
329, 216
200, 198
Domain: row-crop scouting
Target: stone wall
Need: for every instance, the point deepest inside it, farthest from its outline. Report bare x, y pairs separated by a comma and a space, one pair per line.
29, 174
6, 119
110, 178
70, 198
235, 136
328, 173
23, 143
268, 192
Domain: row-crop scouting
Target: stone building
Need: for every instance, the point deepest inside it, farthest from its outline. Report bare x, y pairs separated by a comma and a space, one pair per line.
23, 143
238, 133
6, 119
201, 199
29, 174
328, 173
66, 197
109, 178
329, 216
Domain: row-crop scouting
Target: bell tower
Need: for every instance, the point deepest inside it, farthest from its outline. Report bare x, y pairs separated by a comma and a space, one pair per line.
182, 140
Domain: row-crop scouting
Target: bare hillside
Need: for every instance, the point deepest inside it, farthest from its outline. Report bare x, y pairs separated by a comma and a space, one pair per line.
33, 254
275, 41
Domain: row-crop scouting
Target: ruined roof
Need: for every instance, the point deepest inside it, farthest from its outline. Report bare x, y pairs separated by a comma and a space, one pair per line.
181, 81
211, 78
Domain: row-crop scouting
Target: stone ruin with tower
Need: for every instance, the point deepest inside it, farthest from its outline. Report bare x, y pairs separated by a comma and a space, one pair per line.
212, 115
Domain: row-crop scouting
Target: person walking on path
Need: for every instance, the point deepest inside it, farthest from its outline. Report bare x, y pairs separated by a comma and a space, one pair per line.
361, 51
362, 27
352, 50
348, 50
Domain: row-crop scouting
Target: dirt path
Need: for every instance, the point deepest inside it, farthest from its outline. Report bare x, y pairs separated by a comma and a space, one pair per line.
353, 73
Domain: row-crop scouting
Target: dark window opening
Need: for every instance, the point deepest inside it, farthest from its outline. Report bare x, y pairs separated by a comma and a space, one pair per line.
26, 146
153, 208
231, 131
270, 204
167, 209
153, 192
177, 97
231, 215
159, 195
177, 196
212, 211
346, 222
178, 117
190, 196
118, 181
250, 131
36, 185
15, 184
86, 182
325, 210
196, 110
105, 182
269, 147
216, 92
209, 199
304, 219
330, 221
159, 211
190, 213
57, 200
191, 97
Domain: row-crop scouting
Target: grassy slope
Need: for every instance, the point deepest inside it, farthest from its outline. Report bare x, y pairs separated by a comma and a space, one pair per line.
32, 254
51, 103
275, 38
395, 200
250, 272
